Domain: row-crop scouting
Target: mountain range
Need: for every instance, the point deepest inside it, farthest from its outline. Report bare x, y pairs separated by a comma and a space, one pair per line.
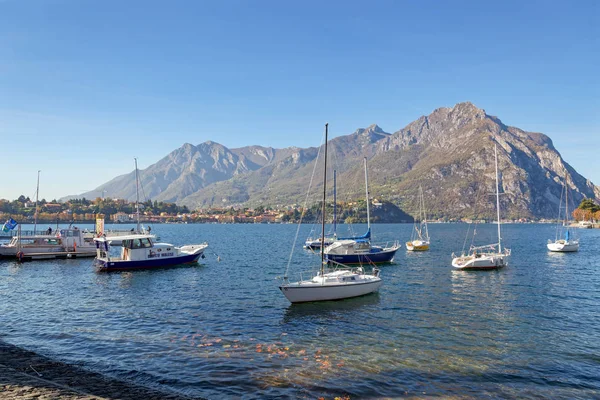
449, 153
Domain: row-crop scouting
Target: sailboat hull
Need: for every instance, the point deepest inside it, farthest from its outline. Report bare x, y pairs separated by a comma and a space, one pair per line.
480, 262
417, 245
564, 246
302, 293
375, 255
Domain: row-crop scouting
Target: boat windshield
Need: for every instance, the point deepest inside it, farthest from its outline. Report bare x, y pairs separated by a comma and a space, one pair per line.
137, 243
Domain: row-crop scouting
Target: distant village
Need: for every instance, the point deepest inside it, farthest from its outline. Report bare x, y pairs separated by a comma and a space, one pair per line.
122, 211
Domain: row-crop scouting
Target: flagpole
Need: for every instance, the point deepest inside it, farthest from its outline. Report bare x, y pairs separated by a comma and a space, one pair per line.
137, 197
37, 192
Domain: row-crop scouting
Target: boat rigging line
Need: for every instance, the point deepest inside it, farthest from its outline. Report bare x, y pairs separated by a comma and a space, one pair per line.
285, 276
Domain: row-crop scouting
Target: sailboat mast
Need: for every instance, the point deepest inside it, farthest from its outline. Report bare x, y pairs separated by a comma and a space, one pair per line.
324, 198
497, 198
367, 194
37, 193
137, 197
566, 199
424, 221
334, 205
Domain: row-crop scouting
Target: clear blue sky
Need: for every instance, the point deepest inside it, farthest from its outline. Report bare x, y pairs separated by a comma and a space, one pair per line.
86, 86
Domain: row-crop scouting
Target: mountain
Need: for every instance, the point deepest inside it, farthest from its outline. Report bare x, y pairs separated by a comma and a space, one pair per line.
185, 171
449, 153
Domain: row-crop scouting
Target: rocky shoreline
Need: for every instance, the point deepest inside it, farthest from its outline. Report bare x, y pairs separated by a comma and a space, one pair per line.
27, 375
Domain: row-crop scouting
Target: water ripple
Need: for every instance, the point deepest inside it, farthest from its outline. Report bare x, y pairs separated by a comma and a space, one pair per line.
223, 329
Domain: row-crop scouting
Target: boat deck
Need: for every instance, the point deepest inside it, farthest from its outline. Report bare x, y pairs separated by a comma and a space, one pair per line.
57, 255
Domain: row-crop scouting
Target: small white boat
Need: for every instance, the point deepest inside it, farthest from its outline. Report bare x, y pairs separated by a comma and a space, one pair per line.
316, 243
564, 242
563, 245
138, 251
334, 281
419, 240
66, 243
491, 256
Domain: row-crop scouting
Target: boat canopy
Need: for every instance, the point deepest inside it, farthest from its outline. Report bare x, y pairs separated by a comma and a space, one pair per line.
367, 235
124, 237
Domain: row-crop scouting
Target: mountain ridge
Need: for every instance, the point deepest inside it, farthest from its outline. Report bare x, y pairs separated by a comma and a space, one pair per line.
447, 152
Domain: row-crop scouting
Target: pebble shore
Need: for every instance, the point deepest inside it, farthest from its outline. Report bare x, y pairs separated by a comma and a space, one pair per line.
27, 375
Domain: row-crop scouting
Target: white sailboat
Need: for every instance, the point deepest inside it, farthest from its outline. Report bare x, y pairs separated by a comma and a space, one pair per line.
491, 256
564, 242
334, 281
419, 240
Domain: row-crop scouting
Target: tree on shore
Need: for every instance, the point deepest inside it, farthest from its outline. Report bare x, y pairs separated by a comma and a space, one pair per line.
587, 211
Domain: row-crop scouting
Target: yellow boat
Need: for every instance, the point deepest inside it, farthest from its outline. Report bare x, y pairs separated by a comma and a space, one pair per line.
417, 245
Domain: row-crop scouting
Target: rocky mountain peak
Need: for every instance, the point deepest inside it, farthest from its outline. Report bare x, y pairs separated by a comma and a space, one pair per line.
187, 148
208, 143
469, 109
370, 130
459, 115
375, 129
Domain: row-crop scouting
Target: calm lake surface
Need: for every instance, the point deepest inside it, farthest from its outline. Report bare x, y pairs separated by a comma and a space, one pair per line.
224, 330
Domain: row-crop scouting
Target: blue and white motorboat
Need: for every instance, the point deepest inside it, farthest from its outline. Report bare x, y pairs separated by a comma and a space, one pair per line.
360, 250
138, 251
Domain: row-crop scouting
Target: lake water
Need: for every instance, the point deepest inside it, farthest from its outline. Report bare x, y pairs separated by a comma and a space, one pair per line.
224, 330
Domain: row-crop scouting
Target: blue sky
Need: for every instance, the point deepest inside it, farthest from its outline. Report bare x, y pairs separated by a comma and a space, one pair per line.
86, 86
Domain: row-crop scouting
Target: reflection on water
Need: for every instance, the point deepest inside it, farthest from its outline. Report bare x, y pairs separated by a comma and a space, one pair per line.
223, 330
329, 309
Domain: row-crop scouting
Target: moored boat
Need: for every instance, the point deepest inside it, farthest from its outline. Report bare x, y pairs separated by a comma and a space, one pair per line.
491, 256
360, 250
139, 251
567, 243
336, 284
333, 281
315, 244
420, 235
66, 243
417, 245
